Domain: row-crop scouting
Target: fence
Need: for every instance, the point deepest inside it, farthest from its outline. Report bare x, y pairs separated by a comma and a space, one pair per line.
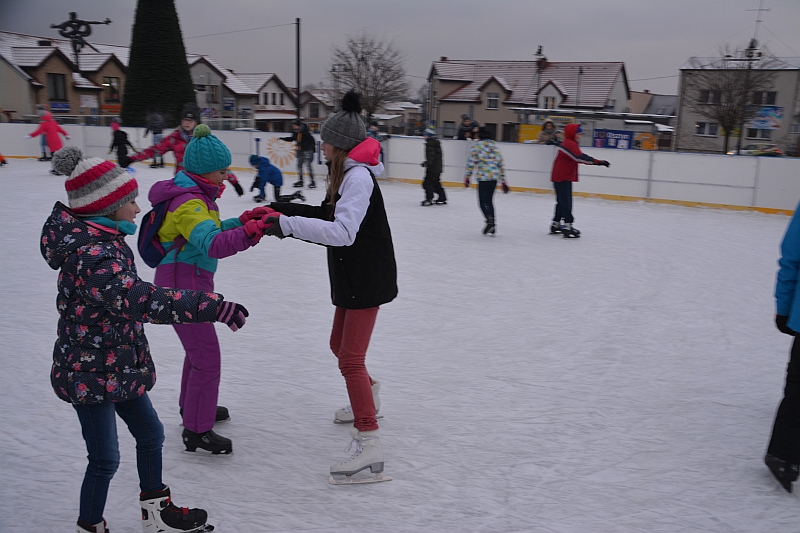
741, 182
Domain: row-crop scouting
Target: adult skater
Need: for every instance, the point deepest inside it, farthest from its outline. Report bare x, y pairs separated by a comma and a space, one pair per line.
487, 162
193, 218
101, 359
176, 143
119, 140
565, 172
51, 129
352, 223
433, 169
305, 145
783, 453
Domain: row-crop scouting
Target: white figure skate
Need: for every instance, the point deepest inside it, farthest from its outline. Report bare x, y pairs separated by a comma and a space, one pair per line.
368, 454
345, 414
160, 515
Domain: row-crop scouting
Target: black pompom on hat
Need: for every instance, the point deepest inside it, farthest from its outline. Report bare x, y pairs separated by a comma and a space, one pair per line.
345, 129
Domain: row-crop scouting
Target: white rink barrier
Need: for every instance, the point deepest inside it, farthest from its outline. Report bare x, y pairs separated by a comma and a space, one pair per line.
768, 184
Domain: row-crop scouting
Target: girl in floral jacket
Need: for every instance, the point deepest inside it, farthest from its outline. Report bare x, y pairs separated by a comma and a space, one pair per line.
101, 359
487, 162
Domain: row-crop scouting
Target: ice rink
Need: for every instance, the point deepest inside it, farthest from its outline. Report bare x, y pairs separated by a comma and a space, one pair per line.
625, 381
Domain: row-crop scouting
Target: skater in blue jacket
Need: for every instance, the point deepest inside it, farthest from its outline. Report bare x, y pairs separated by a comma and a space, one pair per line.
267, 173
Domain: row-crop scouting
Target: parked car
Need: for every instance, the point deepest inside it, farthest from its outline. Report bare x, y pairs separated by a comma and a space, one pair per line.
758, 149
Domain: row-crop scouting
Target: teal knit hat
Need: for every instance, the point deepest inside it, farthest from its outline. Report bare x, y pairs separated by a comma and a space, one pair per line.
205, 153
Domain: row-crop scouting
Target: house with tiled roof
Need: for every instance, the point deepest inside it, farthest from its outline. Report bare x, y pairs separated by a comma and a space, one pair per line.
316, 105
274, 106
487, 90
36, 70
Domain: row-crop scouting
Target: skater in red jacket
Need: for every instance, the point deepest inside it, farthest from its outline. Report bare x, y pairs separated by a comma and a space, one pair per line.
565, 171
50, 129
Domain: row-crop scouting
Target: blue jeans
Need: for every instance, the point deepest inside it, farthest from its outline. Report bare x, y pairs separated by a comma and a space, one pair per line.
99, 427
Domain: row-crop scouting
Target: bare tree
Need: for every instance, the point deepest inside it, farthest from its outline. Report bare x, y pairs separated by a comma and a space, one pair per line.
722, 89
374, 68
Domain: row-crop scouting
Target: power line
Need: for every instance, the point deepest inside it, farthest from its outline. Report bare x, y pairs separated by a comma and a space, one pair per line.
239, 31
656, 78
779, 39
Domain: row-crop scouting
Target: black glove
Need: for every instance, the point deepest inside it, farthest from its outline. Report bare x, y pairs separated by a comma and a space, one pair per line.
780, 321
423, 164
603, 163
254, 185
232, 314
238, 188
275, 228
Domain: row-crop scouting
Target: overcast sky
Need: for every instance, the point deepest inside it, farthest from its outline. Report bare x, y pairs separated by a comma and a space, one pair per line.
652, 37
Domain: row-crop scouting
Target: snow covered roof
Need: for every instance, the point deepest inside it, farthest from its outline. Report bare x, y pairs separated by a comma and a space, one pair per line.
26, 56
82, 83
255, 80
379, 116
324, 96
524, 79
231, 80
9, 40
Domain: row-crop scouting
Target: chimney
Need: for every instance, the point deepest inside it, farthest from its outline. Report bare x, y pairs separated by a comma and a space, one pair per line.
443, 58
647, 91
541, 63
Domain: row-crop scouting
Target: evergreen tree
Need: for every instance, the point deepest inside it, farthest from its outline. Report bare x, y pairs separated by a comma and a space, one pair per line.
158, 74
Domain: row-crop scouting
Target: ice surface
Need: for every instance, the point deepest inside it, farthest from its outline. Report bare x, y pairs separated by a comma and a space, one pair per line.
625, 381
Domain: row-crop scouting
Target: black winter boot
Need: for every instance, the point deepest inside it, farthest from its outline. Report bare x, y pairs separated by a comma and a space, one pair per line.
783, 471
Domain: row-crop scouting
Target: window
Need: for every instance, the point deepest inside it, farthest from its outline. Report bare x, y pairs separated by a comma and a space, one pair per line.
434, 99
753, 133
274, 98
265, 99
111, 89
626, 109
764, 97
56, 87
281, 98
313, 110
549, 102
449, 129
794, 129
706, 128
491, 100
710, 97
211, 94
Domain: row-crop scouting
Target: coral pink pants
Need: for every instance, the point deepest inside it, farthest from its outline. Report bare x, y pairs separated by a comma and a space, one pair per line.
352, 329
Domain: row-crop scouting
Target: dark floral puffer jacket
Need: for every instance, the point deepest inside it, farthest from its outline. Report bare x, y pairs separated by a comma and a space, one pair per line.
101, 353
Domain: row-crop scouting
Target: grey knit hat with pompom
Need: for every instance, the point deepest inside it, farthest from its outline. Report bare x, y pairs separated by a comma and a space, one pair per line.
95, 186
346, 128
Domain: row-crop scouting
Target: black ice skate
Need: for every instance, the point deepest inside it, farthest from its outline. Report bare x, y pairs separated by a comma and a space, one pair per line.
556, 228
258, 199
221, 416
425, 203
208, 441
783, 471
490, 227
153, 165
298, 183
311, 184
440, 202
570, 233
160, 515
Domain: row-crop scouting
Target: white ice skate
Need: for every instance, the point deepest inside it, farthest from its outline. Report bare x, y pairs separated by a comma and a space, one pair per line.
99, 527
368, 454
345, 414
160, 515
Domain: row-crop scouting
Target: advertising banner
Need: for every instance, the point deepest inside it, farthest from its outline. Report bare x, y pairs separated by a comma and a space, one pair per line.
768, 118
59, 107
619, 139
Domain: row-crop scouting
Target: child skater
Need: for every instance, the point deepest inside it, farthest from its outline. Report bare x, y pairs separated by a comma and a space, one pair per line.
565, 171
352, 223
176, 143
50, 129
267, 173
487, 162
119, 140
101, 360
193, 217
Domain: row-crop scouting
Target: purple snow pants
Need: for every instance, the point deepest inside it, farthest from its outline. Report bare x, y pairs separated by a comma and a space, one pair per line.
202, 365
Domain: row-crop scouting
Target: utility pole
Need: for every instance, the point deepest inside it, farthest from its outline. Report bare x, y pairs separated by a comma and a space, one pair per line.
297, 21
749, 53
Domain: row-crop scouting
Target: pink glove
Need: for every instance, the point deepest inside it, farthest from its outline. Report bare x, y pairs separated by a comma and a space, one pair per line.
257, 228
258, 212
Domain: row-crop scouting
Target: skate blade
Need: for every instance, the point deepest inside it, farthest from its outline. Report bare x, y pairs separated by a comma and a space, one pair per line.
350, 480
337, 421
205, 453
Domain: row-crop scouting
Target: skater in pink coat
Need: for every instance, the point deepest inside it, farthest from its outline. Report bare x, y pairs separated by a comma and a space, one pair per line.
50, 129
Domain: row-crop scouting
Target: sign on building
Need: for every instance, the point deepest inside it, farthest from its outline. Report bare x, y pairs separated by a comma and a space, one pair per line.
768, 118
619, 139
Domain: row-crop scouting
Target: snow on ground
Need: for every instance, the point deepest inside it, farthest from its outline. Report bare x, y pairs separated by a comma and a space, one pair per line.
621, 382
